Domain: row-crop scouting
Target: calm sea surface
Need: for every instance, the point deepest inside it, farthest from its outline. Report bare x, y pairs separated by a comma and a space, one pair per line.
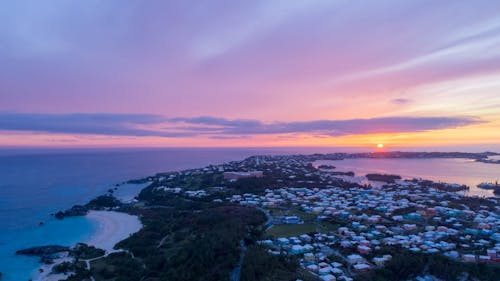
462, 171
34, 184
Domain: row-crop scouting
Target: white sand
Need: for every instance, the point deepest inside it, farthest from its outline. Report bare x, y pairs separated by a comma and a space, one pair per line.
47, 275
113, 228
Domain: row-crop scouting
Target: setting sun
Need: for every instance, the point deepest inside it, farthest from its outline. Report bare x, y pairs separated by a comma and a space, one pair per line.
380, 145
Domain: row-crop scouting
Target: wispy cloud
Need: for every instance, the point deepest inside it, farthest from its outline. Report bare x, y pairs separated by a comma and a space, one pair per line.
401, 101
213, 127
96, 124
332, 127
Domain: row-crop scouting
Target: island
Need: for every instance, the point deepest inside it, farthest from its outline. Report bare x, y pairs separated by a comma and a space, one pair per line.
383, 178
282, 218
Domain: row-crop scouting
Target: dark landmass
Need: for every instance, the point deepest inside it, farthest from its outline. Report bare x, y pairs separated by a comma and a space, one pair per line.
383, 178
103, 202
74, 211
326, 167
439, 185
489, 161
84, 251
192, 231
140, 181
423, 155
46, 253
349, 174
480, 157
43, 250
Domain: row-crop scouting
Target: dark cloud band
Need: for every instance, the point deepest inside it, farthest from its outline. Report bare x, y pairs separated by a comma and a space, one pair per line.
157, 125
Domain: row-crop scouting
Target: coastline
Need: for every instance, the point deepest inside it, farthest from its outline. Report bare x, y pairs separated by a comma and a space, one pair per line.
112, 227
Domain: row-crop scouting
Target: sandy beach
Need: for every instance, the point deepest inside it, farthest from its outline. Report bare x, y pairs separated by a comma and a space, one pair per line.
113, 228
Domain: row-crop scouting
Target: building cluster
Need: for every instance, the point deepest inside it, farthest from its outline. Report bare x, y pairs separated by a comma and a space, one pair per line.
367, 221
233, 176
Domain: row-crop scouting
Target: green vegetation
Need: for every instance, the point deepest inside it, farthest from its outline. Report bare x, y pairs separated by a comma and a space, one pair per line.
383, 178
200, 242
182, 238
261, 266
103, 201
99, 203
84, 252
117, 267
405, 265
295, 211
288, 230
77, 270
252, 185
63, 267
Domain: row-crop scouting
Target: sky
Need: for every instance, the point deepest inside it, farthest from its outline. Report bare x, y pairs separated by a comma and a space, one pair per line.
153, 73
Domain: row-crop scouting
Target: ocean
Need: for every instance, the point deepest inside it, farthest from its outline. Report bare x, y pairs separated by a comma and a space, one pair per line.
36, 183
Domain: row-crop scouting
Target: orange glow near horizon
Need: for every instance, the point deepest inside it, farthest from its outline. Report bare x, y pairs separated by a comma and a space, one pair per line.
481, 134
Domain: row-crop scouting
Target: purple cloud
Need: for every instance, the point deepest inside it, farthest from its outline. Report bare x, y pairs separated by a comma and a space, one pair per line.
98, 124
401, 101
213, 127
332, 127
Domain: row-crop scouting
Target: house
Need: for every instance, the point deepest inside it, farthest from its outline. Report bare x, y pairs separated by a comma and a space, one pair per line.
292, 220
345, 244
354, 259
234, 176
336, 264
484, 258
469, 258
309, 256
312, 267
364, 249
324, 270
328, 277
380, 261
305, 238
283, 241
409, 227
297, 249
323, 265
492, 253
361, 267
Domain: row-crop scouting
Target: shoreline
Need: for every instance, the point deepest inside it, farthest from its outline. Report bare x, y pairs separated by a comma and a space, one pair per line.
112, 227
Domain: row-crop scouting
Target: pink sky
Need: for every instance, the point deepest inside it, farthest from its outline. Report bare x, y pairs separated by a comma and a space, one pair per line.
136, 73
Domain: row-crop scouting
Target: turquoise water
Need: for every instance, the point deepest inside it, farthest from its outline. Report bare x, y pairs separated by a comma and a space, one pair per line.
33, 185
66, 232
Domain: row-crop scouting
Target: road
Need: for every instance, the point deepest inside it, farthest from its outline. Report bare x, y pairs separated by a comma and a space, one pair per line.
270, 221
236, 275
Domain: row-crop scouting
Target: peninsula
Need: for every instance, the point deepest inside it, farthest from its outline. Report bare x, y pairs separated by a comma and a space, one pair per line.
283, 218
